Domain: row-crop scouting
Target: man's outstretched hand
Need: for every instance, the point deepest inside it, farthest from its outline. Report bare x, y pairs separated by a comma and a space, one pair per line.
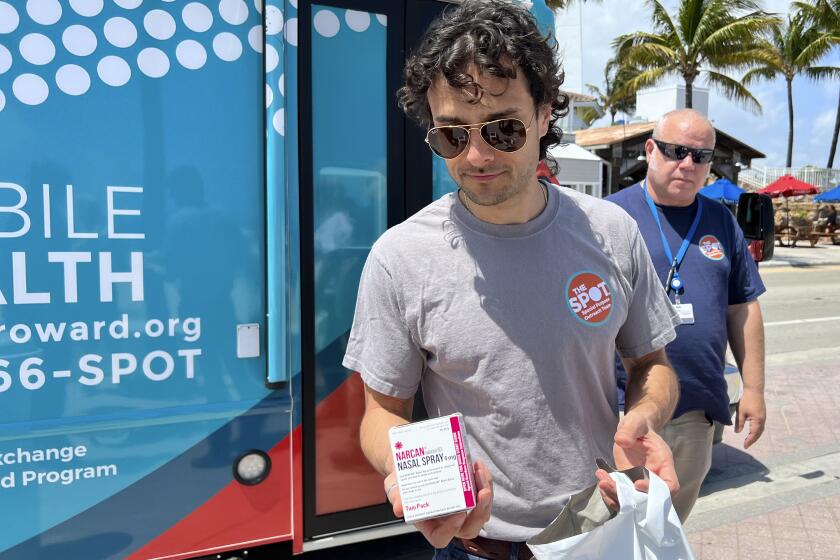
636, 444
441, 530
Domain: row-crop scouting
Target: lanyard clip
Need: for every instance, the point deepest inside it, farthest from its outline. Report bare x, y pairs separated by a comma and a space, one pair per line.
674, 283
677, 284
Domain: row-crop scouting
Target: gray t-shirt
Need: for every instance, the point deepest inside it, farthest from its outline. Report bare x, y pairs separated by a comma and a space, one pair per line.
515, 327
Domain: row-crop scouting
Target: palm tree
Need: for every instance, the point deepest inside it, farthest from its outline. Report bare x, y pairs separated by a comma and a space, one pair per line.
707, 38
793, 48
614, 97
826, 14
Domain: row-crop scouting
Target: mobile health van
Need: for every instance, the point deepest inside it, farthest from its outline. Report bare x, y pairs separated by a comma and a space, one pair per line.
188, 193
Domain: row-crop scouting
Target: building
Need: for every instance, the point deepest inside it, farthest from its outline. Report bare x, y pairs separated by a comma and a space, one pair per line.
578, 169
652, 103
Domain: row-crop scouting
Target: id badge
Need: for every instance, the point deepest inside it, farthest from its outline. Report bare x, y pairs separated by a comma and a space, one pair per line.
686, 312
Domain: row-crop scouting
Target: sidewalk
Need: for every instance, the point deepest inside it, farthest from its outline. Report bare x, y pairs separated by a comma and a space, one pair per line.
822, 254
779, 500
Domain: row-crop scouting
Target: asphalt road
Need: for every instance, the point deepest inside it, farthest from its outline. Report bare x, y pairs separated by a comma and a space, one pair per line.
801, 312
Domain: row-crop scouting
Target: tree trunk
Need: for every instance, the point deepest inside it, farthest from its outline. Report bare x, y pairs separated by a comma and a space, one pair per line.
790, 122
689, 93
834, 138
612, 122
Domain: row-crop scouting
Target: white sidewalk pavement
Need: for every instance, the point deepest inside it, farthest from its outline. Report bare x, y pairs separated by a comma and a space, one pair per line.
822, 254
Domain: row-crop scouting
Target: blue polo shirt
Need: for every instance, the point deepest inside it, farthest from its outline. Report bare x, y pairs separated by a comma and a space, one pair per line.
717, 271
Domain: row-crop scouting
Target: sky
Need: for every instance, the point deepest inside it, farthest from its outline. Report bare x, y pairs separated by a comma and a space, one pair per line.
815, 104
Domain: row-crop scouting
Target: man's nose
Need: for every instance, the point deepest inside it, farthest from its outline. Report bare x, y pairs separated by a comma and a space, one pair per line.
687, 162
479, 151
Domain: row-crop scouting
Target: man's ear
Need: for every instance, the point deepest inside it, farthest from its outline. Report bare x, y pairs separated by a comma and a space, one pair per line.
543, 119
649, 148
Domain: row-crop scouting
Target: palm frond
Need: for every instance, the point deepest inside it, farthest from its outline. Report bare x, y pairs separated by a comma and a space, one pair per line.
823, 13
626, 46
639, 38
815, 50
595, 91
643, 79
591, 114
760, 73
690, 14
714, 17
661, 19
738, 34
746, 59
734, 90
647, 55
817, 73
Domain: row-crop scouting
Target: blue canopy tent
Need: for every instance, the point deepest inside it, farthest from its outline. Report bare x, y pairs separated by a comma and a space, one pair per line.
828, 196
723, 190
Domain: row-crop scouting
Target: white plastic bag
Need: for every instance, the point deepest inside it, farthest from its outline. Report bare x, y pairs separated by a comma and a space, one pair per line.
646, 528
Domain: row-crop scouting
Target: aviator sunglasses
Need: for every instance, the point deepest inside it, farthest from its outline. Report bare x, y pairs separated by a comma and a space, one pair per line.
676, 152
504, 135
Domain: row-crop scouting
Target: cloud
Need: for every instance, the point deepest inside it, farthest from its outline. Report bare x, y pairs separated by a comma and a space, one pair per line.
824, 123
781, 7
829, 87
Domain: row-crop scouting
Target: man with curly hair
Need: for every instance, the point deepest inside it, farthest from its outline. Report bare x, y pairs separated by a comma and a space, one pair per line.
507, 299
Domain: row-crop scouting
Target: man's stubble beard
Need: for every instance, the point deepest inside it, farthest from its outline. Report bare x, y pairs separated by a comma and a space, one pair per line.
517, 185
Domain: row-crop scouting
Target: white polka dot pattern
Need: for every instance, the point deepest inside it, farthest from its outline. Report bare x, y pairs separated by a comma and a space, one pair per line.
111, 41
5, 59
37, 49
120, 32
279, 122
86, 8
30, 89
79, 40
128, 4
159, 24
255, 38
273, 20
72, 79
227, 46
45, 12
191, 54
357, 21
9, 18
197, 17
113, 71
235, 12
326, 23
291, 31
153, 62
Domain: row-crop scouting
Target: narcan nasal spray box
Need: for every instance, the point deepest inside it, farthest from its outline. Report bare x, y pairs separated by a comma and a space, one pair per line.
433, 467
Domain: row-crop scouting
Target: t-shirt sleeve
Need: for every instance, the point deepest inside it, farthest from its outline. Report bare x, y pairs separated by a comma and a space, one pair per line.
381, 347
745, 284
651, 318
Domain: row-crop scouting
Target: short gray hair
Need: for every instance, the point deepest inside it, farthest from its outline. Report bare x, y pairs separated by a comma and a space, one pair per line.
690, 113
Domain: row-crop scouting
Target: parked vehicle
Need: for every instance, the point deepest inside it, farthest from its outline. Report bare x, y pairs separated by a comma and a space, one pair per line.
188, 192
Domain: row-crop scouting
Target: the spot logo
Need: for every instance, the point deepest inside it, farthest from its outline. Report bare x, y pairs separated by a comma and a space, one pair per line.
711, 247
590, 298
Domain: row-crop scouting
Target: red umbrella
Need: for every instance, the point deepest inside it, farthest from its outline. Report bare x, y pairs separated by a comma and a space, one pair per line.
788, 185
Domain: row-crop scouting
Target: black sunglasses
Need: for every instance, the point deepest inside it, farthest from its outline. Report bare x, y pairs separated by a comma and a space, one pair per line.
677, 152
505, 135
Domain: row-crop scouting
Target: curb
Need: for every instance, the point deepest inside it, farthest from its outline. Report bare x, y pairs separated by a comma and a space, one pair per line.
777, 263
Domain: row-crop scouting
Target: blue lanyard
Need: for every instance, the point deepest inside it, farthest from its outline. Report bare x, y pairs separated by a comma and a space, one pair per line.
674, 281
